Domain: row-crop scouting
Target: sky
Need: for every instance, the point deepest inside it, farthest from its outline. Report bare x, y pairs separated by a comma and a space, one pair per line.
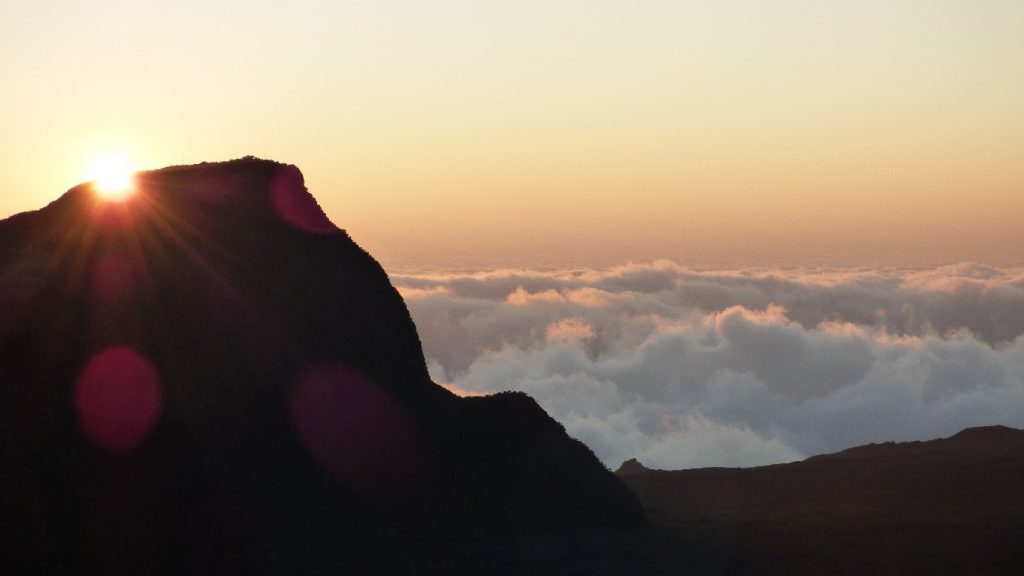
554, 133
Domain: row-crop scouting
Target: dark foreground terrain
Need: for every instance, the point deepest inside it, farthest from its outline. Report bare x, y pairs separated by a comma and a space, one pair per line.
948, 506
211, 377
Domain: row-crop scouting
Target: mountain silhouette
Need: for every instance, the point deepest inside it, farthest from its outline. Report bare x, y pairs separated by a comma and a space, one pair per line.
632, 466
946, 506
210, 376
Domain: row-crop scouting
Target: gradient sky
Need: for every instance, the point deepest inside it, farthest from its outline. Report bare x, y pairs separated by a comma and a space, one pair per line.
554, 132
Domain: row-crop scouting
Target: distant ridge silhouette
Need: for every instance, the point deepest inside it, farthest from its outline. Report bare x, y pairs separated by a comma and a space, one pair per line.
212, 377
946, 506
970, 442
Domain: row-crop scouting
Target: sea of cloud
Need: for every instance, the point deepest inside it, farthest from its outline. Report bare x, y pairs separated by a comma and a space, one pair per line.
686, 368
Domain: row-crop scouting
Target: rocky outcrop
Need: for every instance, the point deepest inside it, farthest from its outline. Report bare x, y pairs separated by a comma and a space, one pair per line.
632, 466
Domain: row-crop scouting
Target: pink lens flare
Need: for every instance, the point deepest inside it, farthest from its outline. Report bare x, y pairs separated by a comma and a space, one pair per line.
295, 205
118, 399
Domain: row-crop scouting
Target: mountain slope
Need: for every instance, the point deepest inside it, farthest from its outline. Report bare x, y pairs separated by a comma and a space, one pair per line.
211, 376
947, 506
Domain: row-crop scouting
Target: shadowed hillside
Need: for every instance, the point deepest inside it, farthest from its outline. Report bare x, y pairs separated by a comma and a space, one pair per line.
949, 506
211, 377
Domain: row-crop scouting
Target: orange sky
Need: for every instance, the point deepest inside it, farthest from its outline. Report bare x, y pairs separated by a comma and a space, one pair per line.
558, 132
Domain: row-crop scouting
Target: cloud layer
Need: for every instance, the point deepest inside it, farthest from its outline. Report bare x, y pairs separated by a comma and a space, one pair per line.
684, 368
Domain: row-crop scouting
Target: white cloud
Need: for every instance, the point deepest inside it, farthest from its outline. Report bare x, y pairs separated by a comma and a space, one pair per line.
685, 368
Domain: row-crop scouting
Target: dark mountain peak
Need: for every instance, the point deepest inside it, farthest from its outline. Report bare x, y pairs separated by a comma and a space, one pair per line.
211, 376
990, 435
631, 466
262, 189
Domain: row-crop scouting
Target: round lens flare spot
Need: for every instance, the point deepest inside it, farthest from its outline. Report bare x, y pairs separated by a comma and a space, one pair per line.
118, 398
113, 177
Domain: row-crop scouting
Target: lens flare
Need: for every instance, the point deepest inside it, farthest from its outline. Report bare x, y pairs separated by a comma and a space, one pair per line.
118, 399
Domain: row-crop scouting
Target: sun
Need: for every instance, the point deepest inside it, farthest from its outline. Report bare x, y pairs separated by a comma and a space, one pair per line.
113, 177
